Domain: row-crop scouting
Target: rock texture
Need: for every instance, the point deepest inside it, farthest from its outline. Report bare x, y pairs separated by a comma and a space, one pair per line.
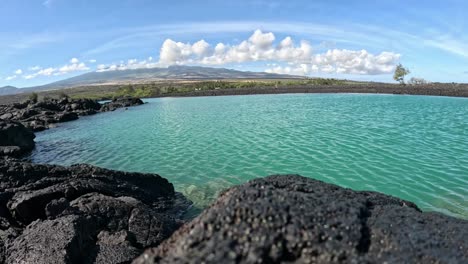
291, 219
82, 214
41, 115
15, 139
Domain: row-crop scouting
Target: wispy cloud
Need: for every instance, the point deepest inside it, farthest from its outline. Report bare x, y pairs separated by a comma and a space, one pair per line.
73, 66
9, 78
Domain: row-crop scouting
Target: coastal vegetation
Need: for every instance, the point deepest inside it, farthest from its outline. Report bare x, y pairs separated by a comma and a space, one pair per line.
158, 89
417, 81
400, 73
33, 97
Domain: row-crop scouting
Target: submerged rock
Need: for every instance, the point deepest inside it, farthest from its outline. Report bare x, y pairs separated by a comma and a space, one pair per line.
82, 214
292, 219
15, 139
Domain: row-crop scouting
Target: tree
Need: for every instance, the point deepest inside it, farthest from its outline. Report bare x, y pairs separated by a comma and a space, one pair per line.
400, 73
62, 95
33, 97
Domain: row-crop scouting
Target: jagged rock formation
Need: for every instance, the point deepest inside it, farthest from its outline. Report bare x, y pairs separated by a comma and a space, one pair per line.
291, 219
82, 214
41, 115
15, 139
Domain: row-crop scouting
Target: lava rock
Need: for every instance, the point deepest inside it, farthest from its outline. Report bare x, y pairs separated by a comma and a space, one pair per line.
292, 219
121, 103
116, 247
39, 116
15, 139
82, 214
63, 240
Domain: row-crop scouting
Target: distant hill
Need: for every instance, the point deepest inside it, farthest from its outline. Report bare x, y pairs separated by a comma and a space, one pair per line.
8, 90
152, 74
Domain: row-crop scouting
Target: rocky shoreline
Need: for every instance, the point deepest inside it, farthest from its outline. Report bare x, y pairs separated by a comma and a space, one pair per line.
454, 90
19, 121
39, 116
85, 214
82, 214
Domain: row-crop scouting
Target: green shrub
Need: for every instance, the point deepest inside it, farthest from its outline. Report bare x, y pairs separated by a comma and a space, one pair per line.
33, 97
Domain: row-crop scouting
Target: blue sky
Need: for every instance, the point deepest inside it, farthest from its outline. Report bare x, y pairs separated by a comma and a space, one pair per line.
42, 41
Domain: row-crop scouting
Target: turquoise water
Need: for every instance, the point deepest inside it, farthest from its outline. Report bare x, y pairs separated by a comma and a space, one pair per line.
412, 147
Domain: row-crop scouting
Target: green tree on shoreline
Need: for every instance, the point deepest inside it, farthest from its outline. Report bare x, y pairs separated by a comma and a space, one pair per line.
400, 73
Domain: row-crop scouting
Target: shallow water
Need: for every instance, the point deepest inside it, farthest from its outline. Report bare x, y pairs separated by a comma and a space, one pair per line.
412, 147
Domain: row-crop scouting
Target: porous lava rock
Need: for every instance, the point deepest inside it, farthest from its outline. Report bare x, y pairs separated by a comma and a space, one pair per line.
82, 214
292, 219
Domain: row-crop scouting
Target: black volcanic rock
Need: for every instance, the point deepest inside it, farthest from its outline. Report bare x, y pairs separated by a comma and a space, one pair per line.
291, 219
39, 116
82, 214
121, 103
15, 139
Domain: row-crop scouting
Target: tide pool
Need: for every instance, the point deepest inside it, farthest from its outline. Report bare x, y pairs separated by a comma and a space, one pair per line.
411, 147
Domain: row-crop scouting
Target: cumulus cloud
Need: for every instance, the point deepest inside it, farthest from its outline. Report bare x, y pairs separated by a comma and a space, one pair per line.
344, 62
92, 61
74, 66
19, 72
262, 47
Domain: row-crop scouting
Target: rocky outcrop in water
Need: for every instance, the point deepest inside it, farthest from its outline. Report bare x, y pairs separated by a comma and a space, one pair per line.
15, 139
82, 214
41, 115
121, 103
291, 219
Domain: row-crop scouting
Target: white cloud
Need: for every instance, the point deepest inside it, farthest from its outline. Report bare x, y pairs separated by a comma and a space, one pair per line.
9, 78
42, 72
299, 58
74, 66
129, 65
92, 61
261, 47
19, 72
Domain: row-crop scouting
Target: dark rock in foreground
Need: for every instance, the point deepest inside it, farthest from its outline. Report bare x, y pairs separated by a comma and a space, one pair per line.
15, 139
82, 214
291, 219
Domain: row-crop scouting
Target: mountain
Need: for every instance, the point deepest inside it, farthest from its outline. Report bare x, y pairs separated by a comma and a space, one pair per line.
170, 73
8, 90
152, 74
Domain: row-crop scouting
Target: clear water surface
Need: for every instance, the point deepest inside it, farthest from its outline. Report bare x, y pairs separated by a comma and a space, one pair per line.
412, 147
